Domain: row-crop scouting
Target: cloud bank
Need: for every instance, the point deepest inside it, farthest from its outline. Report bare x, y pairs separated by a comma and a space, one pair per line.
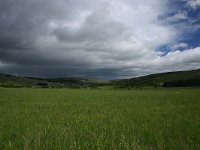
91, 38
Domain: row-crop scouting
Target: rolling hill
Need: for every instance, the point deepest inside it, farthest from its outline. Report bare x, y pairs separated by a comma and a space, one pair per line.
17, 81
168, 79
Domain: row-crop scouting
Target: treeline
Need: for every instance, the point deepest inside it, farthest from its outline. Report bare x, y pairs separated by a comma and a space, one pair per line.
195, 82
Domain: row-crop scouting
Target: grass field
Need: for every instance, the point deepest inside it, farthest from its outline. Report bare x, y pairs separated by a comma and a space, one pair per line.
32, 119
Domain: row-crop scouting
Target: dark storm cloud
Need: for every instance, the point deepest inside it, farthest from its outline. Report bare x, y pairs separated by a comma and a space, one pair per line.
92, 30
90, 38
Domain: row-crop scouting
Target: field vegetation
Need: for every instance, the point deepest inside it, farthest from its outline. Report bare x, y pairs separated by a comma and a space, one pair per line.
38, 119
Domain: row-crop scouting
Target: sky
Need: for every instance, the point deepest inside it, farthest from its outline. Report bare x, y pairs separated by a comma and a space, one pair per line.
106, 39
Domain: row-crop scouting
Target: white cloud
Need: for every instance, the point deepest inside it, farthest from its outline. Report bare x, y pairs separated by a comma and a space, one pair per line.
92, 34
189, 58
173, 61
123, 30
179, 45
193, 3
180, 15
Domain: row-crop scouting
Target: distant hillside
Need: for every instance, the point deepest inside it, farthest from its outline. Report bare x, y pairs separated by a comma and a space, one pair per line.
16, 81
169, 79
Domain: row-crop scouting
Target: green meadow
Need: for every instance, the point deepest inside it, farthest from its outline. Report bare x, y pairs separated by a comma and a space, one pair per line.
90, 119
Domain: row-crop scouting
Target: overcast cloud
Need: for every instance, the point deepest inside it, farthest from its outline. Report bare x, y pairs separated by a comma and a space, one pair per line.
92, 38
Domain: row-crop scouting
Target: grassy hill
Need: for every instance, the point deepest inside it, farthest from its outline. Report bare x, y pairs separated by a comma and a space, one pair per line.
16, 81
169, 79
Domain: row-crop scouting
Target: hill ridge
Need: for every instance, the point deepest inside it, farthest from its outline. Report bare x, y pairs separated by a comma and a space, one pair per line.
165, 79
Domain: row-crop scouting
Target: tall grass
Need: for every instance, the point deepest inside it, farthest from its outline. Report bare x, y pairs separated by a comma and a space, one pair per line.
34, 119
